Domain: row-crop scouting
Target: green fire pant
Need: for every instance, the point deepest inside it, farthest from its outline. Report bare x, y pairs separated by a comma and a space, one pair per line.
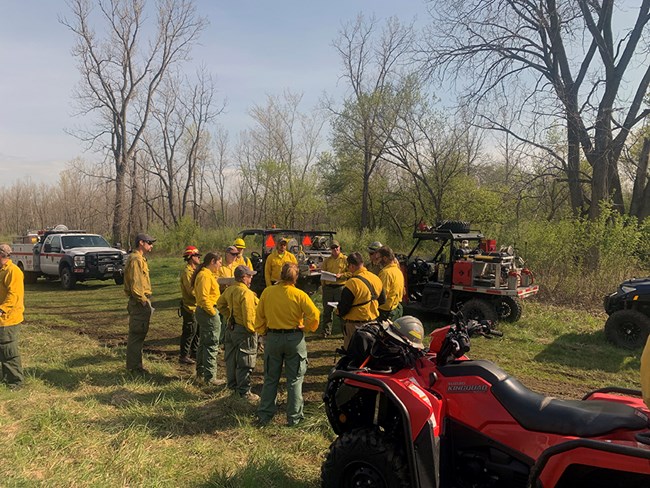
206, 356
12, 369
241, 356
139, 319
288, 350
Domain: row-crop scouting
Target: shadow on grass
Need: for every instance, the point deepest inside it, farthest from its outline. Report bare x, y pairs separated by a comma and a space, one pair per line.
589, 351
173, 413
266, 472
70, 377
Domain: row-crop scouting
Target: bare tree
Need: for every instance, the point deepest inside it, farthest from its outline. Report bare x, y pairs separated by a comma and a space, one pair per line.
121, 71
373, 61
178, 141
565, 52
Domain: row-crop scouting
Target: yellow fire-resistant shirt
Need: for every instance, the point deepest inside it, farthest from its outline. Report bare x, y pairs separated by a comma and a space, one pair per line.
136, 277
283, 306
392, 280
337, 265
239, 301
206, 291
274, 263
227, 270
645, 373
243, 260
12, 294
187, 294
370, 308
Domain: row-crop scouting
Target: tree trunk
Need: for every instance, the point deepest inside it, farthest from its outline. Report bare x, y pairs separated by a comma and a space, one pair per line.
640, 206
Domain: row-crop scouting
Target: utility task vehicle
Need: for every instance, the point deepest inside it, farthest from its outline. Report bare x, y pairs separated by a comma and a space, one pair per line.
441, 420
628, 308
466, 271
70, 255
310, 248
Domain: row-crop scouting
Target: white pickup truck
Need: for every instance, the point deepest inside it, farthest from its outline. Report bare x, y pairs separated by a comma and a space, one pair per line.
71, 255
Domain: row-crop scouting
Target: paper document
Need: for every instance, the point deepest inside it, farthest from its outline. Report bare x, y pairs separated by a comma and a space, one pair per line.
226, 281
327, 276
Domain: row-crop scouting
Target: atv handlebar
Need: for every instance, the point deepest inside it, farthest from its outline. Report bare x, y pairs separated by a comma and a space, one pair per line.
457, 341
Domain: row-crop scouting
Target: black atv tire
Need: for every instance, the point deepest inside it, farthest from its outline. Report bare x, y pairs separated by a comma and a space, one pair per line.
479, 309
456, 226
628, 329
509, 309
119, 279
364, 457
68, 280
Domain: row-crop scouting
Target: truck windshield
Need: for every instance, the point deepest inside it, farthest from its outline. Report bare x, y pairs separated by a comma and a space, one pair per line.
70, 242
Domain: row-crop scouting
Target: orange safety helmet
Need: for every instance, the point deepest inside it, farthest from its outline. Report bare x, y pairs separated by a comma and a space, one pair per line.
191, 251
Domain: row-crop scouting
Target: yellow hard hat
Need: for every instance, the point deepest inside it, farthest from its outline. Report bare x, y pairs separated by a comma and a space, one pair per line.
239, 243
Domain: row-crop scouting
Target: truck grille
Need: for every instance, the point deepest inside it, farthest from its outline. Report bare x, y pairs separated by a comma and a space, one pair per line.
103, 258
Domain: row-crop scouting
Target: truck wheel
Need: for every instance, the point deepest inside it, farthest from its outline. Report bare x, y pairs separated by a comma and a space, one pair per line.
30, 277
364, 457
478, 309
67, 278
628, 329
509, 309
119, 280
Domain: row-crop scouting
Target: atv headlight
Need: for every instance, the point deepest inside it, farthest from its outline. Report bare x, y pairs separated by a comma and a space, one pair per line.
79, 261
628, 289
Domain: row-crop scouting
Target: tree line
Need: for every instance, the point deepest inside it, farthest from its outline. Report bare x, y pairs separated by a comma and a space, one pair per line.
542, 118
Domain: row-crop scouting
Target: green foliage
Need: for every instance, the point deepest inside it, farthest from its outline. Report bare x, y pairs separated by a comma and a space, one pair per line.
188, 232
579, 261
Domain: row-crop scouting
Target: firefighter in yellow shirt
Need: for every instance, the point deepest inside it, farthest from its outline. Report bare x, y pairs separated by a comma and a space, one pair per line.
360, 297
206, 291
12, 307
274, 262
137, 287
392, 280
284, 313
336, 264
240, 244
189, 335
237, 305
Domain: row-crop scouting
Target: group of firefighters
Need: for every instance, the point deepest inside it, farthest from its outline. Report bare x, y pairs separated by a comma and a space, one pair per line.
218, 307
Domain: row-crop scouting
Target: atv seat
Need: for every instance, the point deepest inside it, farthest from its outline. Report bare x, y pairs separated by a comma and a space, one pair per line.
547, 414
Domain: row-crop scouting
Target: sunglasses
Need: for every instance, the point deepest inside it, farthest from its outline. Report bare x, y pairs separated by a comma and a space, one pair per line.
149, 242
234, 253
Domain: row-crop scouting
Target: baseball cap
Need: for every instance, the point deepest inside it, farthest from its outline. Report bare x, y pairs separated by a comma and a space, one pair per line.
335, 244
232, 250
242, 270
144, 237
5, 250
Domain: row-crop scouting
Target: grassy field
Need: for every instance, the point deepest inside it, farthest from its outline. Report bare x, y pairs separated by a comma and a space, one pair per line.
82, 420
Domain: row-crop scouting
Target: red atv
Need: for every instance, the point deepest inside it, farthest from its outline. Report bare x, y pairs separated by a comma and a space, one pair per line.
406, 417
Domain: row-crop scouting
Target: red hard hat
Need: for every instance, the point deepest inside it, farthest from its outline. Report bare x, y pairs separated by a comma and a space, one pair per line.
190, 251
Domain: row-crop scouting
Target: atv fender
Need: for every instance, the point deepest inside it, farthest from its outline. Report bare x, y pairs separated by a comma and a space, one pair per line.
422, 444
605, 457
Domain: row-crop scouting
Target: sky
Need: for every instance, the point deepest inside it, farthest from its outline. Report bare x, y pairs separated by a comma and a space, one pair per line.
252, 47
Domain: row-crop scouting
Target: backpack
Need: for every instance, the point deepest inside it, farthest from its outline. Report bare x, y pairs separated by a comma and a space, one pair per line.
373, 348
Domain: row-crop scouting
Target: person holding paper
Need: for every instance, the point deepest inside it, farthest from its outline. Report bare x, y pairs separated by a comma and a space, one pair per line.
337, 265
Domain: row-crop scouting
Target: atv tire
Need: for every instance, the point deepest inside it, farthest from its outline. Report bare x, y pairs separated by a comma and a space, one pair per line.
509, 309
479, 309
628, 329
364, 457
456, 226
